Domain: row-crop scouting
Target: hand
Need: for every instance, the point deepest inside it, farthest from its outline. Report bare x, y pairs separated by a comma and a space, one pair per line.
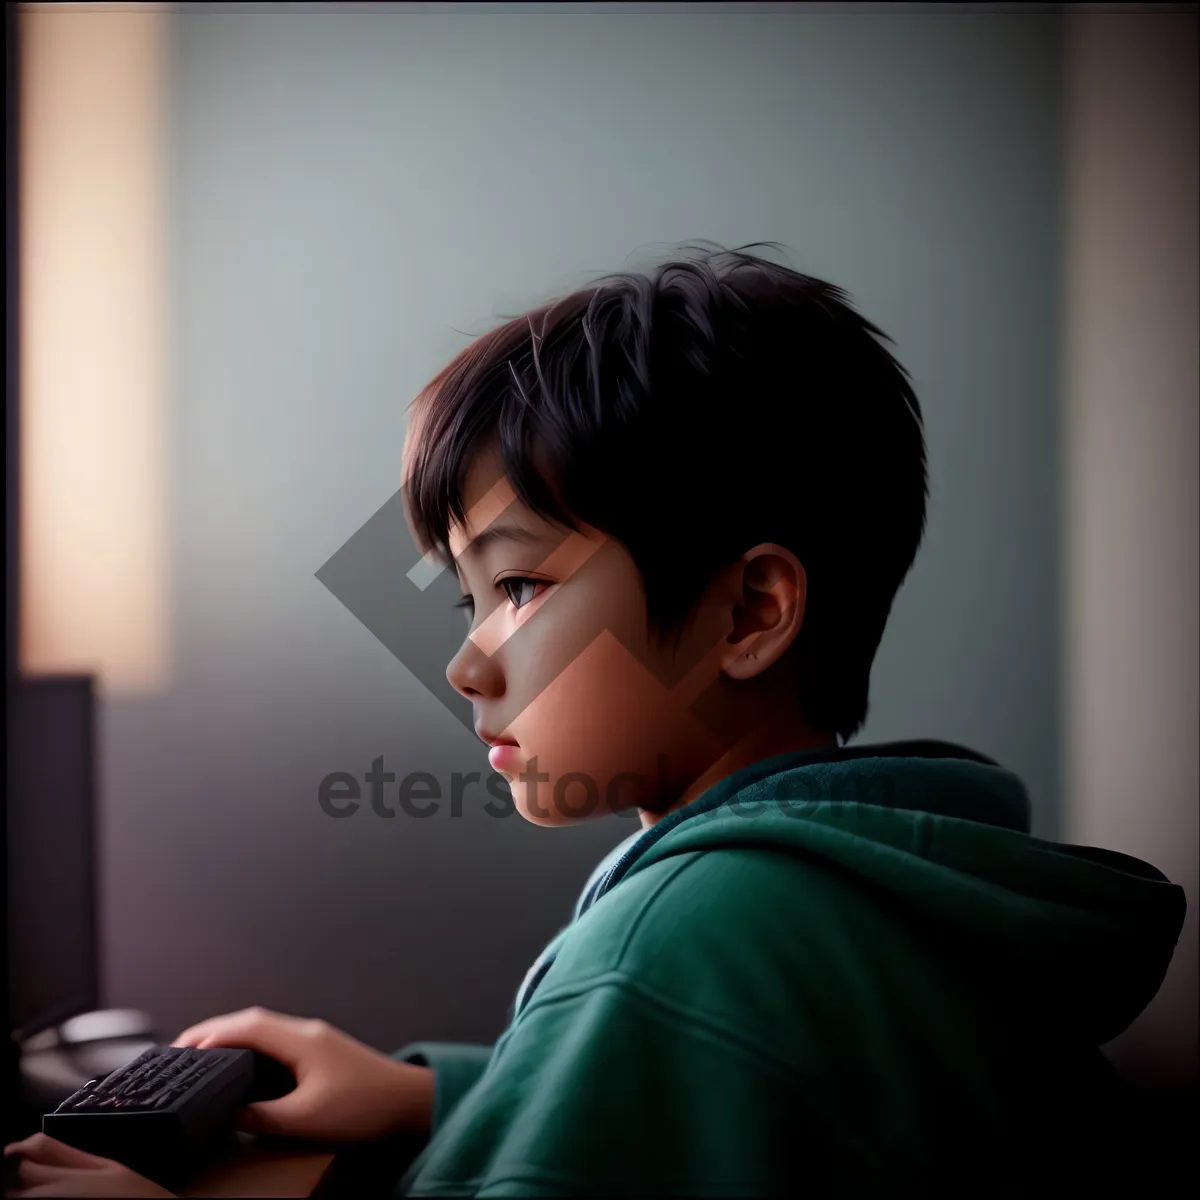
49, 1167
345, 1091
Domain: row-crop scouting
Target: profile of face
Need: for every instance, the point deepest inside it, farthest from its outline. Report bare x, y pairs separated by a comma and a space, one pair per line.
558, 660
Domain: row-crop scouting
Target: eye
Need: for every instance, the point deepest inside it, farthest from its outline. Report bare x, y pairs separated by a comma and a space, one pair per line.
519, 589
468, 602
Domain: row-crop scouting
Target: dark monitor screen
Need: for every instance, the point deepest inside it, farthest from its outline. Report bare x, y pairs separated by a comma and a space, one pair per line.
52, 967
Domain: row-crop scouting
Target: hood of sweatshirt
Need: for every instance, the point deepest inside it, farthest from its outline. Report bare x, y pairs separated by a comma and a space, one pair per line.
1073, 936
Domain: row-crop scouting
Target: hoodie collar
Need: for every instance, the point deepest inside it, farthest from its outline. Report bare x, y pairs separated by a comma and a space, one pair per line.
1006, 806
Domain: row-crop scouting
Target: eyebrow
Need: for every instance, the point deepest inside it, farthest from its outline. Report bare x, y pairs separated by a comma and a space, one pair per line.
500, 533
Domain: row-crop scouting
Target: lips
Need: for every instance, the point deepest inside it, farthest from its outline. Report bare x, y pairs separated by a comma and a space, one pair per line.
503, 757
495, 740
503, 753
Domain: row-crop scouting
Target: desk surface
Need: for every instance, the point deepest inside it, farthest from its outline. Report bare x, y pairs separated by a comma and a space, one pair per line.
253, 1169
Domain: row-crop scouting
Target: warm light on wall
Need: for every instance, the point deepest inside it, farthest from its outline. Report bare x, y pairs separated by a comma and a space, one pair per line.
93, 341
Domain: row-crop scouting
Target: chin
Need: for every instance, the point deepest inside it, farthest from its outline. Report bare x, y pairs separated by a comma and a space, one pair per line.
544, 820
541, 811
540, 807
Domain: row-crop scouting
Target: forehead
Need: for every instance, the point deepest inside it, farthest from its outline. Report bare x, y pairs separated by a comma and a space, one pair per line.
486, 494
484, 474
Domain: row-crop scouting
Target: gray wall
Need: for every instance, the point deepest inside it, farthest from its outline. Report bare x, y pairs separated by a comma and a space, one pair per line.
354, 194
1132, 443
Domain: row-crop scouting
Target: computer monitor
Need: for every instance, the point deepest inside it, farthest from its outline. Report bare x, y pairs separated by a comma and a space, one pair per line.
52, 940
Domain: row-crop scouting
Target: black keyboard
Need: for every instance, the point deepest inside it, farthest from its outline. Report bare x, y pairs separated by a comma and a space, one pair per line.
152, 1081
160, 1114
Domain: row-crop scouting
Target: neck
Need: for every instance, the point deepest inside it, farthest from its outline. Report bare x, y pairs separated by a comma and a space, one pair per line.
764, 741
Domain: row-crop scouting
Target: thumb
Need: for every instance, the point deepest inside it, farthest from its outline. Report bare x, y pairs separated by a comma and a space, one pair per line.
282, 1116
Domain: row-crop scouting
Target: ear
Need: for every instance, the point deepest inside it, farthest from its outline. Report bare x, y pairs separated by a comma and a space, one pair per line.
770, 588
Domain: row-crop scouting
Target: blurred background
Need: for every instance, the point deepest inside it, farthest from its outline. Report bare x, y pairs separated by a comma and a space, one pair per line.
248, 234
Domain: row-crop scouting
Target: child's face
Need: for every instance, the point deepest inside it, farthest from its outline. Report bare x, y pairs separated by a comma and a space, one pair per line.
558, 659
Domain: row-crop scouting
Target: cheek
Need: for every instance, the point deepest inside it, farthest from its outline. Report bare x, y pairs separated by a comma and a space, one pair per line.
604, 716
567, 642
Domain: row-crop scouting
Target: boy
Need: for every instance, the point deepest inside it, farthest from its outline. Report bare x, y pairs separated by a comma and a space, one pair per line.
680, 507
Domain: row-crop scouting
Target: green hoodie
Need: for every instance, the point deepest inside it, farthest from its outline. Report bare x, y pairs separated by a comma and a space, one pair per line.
844, 972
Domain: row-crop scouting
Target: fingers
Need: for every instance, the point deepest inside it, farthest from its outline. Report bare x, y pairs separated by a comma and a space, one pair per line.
30, 1173
284, 1116
252, 1029
195, 1034
192, 1035
39, 1148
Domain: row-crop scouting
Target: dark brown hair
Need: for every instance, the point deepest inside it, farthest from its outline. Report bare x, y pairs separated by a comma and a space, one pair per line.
718, 401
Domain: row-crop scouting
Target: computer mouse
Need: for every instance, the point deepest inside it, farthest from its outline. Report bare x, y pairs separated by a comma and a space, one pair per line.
271, 1079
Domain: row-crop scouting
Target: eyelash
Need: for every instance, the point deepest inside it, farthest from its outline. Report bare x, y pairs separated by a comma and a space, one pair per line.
468, 601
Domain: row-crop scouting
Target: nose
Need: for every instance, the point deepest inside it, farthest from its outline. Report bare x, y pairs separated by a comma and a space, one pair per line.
474, 675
